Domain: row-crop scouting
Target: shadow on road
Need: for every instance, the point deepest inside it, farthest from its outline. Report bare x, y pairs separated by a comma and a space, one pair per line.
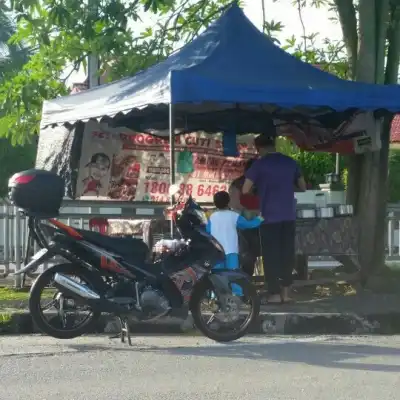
325, 354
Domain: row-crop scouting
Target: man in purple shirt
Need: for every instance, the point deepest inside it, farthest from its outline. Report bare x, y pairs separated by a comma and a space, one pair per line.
276, 176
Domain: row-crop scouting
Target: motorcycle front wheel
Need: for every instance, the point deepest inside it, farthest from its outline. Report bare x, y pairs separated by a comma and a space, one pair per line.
225, 320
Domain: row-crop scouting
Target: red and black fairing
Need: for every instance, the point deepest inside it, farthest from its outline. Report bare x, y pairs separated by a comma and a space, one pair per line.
186, 279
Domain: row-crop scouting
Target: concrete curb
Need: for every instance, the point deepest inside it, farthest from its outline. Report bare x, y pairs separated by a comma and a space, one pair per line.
267, 324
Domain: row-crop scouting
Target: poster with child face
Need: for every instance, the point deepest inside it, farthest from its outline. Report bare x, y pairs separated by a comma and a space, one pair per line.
95, 163
97, 169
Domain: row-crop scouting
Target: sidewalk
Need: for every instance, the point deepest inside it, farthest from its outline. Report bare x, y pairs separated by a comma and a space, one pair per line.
364, 313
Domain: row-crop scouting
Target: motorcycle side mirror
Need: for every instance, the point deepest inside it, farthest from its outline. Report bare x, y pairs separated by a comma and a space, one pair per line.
173, 190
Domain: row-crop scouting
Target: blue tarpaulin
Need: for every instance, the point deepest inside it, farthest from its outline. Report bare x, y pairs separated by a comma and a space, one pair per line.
231, 70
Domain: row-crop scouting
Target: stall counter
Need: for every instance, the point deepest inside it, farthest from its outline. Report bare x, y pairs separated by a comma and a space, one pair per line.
335, 237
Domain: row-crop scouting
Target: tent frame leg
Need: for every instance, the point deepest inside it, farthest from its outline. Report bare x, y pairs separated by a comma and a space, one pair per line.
172, 155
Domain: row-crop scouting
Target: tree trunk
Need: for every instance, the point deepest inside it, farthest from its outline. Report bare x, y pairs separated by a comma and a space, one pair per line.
368, 207
392, 34
379, 250
366, 166
367, 188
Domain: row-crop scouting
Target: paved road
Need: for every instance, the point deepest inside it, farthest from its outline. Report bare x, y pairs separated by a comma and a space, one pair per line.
188, 368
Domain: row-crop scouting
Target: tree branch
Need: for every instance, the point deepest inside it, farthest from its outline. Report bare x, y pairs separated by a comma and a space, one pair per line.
176, 13
393, 54
76, 66
263, 15
204, 21
366, 67
348, 22
381, 21
302, 26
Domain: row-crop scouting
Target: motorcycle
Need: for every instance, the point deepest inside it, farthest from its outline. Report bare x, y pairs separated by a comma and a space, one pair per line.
114, 275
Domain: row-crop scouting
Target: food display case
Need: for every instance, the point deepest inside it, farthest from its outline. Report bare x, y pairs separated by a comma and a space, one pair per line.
325, 227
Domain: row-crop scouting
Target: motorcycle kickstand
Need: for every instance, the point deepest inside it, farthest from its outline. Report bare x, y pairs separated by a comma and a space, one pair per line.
125, 331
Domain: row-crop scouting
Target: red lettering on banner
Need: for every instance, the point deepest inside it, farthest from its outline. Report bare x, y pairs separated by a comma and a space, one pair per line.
131, 142
149, 140
157, 189
193, 141
208, 190
140, 139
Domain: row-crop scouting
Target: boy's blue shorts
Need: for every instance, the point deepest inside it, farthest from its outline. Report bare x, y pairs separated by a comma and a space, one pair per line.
231, 262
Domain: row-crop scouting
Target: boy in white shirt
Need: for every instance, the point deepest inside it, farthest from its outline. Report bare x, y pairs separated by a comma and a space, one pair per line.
223, 225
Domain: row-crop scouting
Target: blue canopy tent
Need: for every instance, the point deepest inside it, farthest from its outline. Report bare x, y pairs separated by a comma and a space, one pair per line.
232, 77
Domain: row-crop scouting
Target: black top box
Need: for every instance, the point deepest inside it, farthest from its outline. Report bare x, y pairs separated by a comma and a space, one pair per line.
37, 192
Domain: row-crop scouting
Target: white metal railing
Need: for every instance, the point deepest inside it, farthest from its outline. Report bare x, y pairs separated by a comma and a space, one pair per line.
393, 235
14, 231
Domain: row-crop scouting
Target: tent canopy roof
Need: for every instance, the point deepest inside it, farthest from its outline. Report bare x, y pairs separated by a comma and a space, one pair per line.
231, 66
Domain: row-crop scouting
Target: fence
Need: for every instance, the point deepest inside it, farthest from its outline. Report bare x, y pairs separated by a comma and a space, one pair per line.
14, 231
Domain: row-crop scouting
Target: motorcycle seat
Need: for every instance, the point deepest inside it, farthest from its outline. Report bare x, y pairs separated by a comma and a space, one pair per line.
126, 246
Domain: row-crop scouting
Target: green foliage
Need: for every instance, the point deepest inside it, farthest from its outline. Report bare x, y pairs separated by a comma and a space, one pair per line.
66, 32
12, 57
345, 177
12, 60
314, 165
14, 159
331, 58
394, 176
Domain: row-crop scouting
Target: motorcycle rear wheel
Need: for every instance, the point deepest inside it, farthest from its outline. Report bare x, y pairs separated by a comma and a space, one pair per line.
43, 280
200, 291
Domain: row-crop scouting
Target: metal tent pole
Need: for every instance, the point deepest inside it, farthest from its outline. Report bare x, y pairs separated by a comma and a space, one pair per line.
171, 155
337, 164
93, 70
93, 59
171, 144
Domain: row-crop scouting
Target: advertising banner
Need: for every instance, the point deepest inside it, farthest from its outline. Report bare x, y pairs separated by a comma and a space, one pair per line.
119, 164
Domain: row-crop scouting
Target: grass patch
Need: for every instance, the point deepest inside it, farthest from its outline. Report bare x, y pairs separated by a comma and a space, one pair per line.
5, 322
5, 318
315, 292
10, 294
386, 282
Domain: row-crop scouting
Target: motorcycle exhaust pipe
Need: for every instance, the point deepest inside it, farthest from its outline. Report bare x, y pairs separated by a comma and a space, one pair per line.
79, 291
64, 282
